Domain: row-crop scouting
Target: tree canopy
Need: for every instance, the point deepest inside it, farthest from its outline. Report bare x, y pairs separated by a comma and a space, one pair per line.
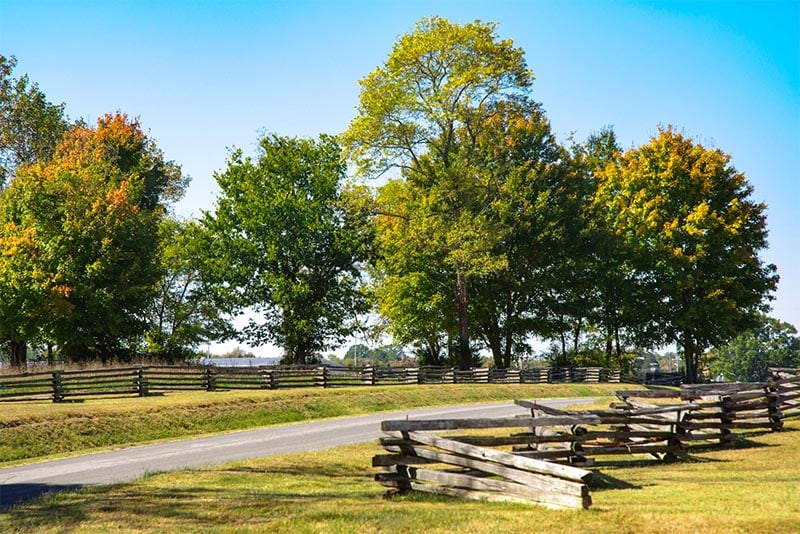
79, 233
687, 215
285, 243
421, 112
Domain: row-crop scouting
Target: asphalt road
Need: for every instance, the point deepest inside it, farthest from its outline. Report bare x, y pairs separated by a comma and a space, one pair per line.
19, 484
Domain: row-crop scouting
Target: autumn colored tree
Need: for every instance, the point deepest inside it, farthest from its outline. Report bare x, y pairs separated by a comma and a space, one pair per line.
86, 222
418, 113
286, 245
696, 234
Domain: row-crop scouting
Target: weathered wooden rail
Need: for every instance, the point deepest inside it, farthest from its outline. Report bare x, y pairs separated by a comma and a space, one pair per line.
424, 462
62, 385
460, 465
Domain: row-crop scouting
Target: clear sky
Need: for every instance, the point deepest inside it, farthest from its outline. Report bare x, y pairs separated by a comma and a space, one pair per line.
204, 76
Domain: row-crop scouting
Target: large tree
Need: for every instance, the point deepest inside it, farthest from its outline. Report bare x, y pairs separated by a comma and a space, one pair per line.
688, 216
420, 112
533, 195
30, 129
285, 243
83, 230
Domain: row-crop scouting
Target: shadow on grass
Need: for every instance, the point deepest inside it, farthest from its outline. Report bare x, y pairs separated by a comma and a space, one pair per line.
13, 494
231, 495
604, 481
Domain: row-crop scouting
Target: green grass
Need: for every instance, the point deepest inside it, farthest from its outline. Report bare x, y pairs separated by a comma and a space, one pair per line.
36, 430
749, 489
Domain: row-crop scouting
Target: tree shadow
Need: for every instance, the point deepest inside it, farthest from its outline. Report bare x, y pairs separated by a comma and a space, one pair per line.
12, 495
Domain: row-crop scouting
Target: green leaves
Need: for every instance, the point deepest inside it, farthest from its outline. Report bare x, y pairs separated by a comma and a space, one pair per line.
88, 219
288, 243
687, 215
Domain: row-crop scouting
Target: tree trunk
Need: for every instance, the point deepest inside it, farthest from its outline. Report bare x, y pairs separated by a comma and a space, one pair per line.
689, 350
19, 353
464, 355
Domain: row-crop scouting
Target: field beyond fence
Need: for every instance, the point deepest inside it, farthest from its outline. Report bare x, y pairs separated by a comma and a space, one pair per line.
144, 380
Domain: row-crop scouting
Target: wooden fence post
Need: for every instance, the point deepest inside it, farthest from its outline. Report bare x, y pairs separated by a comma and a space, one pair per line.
267, 379
773, 408
322, 377
368, 375
726, 417
141, 383
210, 379
58, 387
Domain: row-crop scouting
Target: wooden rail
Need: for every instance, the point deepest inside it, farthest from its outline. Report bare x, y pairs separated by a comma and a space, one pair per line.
559, 442
145, 380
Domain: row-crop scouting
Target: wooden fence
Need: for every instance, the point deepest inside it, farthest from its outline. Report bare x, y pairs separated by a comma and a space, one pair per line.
631, 429
63, 385
467, 467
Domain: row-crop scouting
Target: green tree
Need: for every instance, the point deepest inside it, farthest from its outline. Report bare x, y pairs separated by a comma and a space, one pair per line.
687, 215
185, 312
285, 242
412, 284
418, 112
84, 231
30, 126
748, 356
534, 197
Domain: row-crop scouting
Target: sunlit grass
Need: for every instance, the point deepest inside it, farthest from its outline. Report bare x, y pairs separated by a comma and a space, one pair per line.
749, 489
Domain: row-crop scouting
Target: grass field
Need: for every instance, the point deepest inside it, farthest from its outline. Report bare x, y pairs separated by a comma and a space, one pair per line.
751, 488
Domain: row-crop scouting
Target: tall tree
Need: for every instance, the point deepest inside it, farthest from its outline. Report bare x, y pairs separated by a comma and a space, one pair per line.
417, 113
285, 243
30, 129
687, 214
534, 195
87, 226
30, 126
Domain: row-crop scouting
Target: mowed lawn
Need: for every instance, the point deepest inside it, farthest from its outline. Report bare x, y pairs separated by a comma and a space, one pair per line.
752, 488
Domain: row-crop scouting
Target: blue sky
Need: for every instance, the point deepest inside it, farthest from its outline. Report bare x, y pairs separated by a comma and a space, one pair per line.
208, 75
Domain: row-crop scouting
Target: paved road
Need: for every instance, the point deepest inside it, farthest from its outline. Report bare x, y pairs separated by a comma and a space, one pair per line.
18, 484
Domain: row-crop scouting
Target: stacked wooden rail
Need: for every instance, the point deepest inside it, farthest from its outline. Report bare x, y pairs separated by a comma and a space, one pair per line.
144, 380
422, 461
644, 425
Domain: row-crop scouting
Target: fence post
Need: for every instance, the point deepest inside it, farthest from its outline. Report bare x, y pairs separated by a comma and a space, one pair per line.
58, 387
141, 383
322, 377
368, 375
773, 408
210, 379
726, 417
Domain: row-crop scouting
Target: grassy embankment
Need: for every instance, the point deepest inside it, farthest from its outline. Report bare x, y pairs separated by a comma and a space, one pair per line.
749, 489
35, 430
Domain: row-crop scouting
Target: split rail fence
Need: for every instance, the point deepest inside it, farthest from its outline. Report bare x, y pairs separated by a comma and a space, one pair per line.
543, 459
63, 385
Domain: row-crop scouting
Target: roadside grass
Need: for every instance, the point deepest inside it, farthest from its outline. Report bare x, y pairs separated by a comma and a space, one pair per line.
750, 488
42, 429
